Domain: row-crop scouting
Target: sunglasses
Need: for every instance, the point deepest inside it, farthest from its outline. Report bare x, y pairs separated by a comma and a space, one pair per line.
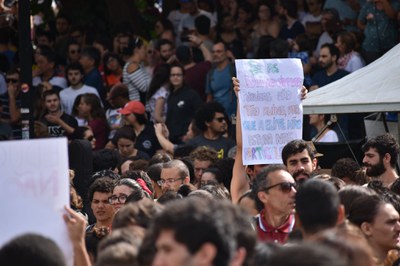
285, 187
12, 80
90, 138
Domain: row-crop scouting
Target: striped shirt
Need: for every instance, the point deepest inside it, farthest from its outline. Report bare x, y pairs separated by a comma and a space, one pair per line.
137, 81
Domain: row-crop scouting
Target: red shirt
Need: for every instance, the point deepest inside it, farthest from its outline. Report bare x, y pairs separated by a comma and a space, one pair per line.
268, 233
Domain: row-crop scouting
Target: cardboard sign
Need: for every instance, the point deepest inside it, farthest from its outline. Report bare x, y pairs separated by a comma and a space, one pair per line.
34, 188
270, 107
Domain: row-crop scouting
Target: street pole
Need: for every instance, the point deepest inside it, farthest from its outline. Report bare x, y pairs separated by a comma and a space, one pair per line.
25, 60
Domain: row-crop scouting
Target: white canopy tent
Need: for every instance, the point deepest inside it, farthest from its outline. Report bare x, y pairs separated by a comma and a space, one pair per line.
374, 88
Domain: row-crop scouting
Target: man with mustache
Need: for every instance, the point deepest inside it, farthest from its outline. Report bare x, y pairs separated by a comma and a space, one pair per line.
299, 159
380, 157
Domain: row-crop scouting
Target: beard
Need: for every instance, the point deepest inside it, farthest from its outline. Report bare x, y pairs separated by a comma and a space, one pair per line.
375, 170
302, 179
326, 65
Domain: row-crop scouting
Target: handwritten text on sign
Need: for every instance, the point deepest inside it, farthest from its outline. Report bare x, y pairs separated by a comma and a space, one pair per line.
270, 107
34, 188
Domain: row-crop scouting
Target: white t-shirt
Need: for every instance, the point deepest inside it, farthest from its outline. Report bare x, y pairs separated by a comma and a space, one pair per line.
55, 81
356, 62
151, 103
324, 38
310, 18
330, 136
69, 95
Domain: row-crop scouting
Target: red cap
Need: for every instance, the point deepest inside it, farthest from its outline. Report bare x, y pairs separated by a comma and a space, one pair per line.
133, 107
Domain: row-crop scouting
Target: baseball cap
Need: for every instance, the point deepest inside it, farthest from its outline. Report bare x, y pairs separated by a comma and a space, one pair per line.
133, 107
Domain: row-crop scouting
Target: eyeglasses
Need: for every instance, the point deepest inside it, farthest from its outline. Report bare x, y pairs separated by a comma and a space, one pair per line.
12, 81
285, 187
220, 119
90, 138
114, 198
169, 181
176, 75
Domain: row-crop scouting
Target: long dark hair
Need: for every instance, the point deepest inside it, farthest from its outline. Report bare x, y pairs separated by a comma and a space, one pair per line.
160, 77
97, 110
75, 110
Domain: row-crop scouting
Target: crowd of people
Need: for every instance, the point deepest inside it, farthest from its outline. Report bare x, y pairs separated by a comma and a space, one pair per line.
155, 140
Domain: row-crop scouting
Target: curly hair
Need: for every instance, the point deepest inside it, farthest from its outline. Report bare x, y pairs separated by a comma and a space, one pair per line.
204, 153
346, 167
383, 144
102, 185
206, 114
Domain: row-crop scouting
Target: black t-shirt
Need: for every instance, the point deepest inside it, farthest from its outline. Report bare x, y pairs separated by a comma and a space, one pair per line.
56, 130
182, 106
321, 78
147, 140
221, 145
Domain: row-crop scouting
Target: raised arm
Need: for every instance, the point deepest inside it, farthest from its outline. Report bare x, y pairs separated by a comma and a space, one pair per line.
76, 225
199, 44
160, 130
240, 182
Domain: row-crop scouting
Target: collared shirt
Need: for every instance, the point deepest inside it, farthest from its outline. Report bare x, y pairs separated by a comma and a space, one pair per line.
279, 234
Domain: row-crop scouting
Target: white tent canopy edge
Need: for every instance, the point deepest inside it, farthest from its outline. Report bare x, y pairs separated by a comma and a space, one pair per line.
373, 88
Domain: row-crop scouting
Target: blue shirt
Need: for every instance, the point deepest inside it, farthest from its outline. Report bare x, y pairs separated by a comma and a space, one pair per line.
219, 85
93, 79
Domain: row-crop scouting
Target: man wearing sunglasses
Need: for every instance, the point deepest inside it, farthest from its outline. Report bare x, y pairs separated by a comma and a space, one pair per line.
211, 120
275, 189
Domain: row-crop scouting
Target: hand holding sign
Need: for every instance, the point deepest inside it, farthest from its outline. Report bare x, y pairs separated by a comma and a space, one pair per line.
270, 106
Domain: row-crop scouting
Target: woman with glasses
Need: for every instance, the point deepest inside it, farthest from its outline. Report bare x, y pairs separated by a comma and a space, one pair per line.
134, 74
123, 189
182, 104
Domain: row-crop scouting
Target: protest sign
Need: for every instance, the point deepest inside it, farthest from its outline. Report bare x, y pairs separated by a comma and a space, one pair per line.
270, 107
34, 188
